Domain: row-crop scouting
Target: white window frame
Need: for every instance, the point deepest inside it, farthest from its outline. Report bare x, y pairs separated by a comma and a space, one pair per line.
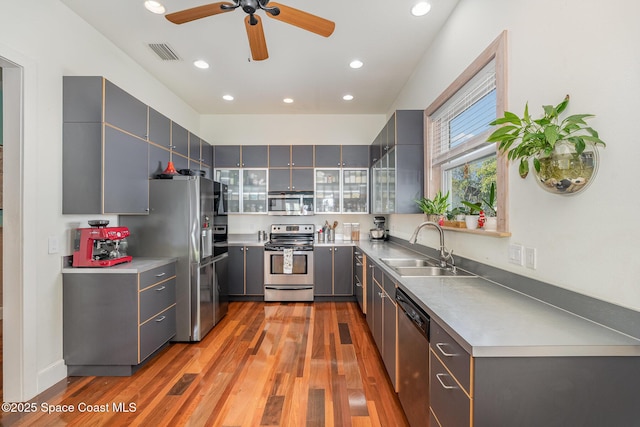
497, 52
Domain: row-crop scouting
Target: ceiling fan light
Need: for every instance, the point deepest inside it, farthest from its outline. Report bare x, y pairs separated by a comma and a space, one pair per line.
227, 97
356, 63
154, 7
288, 101
348, 97
203, 65
420, 9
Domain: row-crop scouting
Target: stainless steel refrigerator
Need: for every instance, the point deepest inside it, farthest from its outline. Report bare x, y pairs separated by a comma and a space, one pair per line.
187, 220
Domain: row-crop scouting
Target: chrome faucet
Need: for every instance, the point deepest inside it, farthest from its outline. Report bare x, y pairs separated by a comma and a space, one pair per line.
444, 254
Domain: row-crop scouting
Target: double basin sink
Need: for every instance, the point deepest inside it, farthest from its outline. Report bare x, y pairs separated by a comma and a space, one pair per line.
423, 267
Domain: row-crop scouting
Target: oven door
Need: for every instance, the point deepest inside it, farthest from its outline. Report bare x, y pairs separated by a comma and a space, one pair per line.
301, 272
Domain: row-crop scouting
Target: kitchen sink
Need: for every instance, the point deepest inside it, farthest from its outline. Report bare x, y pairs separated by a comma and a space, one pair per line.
431, 271
409, 262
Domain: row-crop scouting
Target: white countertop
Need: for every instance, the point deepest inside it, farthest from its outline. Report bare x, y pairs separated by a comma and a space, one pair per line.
137, 265
491, 320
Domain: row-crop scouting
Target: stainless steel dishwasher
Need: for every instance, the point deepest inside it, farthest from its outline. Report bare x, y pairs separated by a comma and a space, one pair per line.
413, 360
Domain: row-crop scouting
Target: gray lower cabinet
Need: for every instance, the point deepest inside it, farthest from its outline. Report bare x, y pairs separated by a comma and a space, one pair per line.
529, 391
384, 320
246, 270
359, 278
369, 293
113, 321
332, 270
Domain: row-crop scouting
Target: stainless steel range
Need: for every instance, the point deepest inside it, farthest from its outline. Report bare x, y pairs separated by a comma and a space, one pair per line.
288, 263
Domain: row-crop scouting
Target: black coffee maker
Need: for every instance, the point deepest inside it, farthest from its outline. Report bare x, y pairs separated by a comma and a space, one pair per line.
380, 233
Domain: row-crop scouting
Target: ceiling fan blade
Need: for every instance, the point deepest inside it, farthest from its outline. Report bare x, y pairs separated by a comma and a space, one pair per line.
257, 42
194, 13
303, 20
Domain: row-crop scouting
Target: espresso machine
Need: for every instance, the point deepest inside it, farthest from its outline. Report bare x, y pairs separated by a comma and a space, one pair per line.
100, 246
379, 233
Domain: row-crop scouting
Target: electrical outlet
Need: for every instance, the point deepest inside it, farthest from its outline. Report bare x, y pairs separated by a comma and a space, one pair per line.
515, 254
530, 258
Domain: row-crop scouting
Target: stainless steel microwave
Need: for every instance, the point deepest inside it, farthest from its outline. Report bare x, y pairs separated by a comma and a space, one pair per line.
290, 203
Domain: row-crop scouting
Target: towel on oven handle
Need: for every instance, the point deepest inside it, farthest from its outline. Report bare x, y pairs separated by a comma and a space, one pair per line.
287, 261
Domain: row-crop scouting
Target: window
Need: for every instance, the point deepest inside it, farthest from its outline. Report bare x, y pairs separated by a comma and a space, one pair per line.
458, 157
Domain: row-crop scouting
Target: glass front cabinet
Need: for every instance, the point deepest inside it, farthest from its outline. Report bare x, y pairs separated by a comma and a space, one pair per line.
247, 189
341, 190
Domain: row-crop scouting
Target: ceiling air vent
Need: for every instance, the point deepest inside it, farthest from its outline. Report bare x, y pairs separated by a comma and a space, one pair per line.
164, 51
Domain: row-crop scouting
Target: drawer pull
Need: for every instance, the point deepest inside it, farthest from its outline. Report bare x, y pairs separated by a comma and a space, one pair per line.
161, 318
382, 295
448, 387
358, 264
444, 353
160, 275
358, 284
161, 288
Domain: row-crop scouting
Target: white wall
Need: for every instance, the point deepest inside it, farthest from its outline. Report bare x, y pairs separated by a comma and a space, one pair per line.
48, 41
587, 49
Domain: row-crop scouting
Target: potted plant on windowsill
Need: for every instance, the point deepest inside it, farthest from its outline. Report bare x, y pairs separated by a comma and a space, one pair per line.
455, 217
435, 208
471, 219
491, 219
564, 153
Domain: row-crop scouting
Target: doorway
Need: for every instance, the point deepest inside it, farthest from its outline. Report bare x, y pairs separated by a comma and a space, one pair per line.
19, 359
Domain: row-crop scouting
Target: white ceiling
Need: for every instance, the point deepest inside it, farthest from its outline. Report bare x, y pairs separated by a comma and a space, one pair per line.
311, 69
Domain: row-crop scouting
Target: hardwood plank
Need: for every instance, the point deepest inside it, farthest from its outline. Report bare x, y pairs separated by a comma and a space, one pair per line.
284, 364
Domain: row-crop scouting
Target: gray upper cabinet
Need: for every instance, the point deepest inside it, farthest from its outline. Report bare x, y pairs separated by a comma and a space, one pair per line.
159, 129
255, 156
158, 159
302, 156
302, 179
327, 156
407, 129
124, 111
226, 156
207, 152
279, 156
279, 179
126, 186
194, 148
179, 140
105, 165
355, 156
375, 150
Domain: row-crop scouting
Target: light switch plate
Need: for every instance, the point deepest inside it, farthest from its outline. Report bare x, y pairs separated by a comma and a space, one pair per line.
54, 245
515, 254
530, 258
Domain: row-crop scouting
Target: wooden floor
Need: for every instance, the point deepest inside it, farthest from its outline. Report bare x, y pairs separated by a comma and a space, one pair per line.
265, 364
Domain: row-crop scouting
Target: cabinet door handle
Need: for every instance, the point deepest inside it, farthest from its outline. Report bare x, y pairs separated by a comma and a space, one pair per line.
382, 295
241, 249
444, 353
161, 288
335, 249
358, 284
371, 266
160, 319
448, 387
160, 275
357, 253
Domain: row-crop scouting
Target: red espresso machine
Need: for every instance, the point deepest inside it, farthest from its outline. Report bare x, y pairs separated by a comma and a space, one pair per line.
100, 246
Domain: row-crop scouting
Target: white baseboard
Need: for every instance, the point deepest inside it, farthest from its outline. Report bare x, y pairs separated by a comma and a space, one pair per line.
51, 375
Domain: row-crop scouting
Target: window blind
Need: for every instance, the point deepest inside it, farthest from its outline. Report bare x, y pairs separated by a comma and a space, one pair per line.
460, 124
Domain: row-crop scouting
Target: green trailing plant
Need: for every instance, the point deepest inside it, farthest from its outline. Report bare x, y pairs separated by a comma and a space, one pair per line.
523, 138
436, 206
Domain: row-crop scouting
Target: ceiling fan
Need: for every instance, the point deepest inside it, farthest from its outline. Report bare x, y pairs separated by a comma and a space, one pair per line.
253, 23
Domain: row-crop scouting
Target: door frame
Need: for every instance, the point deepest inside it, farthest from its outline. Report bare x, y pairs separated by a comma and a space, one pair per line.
20, 129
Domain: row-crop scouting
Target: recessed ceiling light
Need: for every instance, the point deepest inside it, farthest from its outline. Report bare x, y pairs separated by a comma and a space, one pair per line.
288, 101
154, 6
201, 64
227, 97
421, 9
347, 97
356, 63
